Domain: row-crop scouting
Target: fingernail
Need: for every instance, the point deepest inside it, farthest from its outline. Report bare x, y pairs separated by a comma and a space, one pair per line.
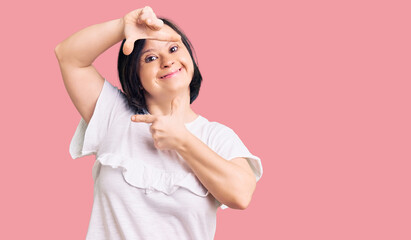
133, 118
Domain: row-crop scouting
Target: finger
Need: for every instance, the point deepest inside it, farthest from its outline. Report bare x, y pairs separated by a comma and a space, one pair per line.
150, 20
128, 46
175, 37
148, 9
146, 14
152, 130
155, 23
150, 23
158, 24
165, 36
143, 118
139, 16
143, 18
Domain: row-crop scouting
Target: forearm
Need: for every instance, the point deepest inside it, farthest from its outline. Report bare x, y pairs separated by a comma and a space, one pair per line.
227, 182
84, 46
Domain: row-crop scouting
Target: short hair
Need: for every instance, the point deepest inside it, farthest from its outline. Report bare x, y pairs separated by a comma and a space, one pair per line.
128, 73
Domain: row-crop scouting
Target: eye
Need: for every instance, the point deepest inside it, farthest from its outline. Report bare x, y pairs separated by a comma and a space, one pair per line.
174, 48
150, 58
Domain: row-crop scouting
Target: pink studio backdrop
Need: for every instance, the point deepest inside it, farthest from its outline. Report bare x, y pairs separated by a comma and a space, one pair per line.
319, 90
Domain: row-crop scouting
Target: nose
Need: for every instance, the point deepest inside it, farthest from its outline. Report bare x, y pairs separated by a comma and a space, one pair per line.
167, 61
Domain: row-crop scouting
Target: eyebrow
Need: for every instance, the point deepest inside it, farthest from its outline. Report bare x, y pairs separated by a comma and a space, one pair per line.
148, 50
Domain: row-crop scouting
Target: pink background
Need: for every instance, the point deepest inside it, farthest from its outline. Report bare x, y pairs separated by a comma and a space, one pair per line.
319, 90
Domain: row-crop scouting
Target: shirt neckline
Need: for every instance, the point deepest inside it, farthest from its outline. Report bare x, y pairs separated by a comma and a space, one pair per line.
194, 121
186, 124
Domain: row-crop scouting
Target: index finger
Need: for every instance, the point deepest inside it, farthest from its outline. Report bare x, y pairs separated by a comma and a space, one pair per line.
155, 24
143, 118
165, 36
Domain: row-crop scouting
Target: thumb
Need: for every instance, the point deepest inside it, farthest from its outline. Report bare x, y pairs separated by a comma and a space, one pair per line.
128, 46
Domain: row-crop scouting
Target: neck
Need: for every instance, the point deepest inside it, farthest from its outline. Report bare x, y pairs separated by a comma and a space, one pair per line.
163, 107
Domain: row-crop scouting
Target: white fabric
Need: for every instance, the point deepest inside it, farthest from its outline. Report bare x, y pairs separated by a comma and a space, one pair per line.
141, 192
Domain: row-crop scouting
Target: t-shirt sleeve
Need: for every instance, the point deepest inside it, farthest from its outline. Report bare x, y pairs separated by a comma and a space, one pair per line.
88, 137
228, 145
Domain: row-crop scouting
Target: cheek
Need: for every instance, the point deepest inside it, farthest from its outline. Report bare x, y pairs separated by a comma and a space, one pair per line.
189, 64
146, 72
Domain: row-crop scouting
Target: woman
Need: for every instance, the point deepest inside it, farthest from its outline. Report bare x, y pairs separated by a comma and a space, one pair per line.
161, 170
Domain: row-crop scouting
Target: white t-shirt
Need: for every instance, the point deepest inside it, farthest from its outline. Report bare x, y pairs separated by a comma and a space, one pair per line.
141, 192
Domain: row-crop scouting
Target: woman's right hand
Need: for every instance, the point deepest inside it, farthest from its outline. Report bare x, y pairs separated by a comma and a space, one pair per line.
143, 24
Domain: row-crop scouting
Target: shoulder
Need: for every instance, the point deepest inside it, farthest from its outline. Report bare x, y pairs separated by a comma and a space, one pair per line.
122, 103
216, 126
218, 132
213, 127
110, 88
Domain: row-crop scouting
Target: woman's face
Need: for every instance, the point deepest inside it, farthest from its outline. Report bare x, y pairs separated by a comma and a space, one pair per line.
165, 68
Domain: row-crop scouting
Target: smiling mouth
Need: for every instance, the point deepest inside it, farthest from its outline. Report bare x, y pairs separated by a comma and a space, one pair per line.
171, 74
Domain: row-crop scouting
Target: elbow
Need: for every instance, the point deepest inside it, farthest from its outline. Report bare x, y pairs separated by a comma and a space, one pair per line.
241, 193
243, 205
57, 52
243, 200
238, 201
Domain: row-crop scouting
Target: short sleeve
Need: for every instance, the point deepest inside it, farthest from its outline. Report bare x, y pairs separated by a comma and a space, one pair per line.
228, 145
88, 137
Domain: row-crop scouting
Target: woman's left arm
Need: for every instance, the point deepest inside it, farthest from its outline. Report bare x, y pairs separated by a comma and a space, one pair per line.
231, 182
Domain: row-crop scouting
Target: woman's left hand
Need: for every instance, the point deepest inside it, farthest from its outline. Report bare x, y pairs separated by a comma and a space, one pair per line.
168, 131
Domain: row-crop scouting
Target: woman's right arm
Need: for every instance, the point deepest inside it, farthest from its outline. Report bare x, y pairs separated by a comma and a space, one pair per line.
76, 55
